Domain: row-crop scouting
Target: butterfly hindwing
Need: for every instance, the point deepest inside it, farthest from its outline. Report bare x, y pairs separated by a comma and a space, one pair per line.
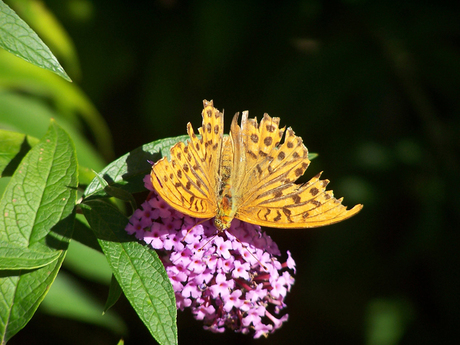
297, 206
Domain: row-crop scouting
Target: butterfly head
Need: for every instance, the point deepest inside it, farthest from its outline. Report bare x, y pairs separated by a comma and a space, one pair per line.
222, 222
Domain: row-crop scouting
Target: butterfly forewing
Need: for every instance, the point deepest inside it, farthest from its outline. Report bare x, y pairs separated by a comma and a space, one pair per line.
188, 182
289, 163
269, 167
179, 187
252, 157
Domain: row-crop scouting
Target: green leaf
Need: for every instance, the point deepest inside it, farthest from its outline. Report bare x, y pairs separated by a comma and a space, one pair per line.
13, 148
14, 257
137, 269
37, 211
46, 25
21, 294
114, 294
3, 183
19, 39
41, 190
117, 192
128, 171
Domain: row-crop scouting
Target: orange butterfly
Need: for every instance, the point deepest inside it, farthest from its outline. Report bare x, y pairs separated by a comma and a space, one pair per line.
247, 175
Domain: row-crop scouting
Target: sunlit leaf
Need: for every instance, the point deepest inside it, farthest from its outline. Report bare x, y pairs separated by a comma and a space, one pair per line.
19, 39
44, 22
37, 210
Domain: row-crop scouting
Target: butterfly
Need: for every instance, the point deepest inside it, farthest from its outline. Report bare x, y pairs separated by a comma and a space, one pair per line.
247, 175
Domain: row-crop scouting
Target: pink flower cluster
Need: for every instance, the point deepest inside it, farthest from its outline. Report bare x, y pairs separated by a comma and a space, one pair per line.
230, 279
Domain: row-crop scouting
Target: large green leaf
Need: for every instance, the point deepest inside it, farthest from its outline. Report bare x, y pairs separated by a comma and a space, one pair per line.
137, 269
37, 211
128, 171
18, 38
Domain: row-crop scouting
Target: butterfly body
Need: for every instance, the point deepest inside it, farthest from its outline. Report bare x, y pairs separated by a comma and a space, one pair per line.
248, 175
225, 212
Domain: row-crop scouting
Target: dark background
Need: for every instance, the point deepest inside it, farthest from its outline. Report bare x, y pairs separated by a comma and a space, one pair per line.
370, 86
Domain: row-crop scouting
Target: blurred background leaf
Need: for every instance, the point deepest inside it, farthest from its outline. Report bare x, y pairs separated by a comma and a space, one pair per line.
372, 87
43, 21
64, 100
19, 39
68, 298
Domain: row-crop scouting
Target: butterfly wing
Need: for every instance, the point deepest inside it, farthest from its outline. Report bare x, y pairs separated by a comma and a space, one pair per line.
189, 181
266, 193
